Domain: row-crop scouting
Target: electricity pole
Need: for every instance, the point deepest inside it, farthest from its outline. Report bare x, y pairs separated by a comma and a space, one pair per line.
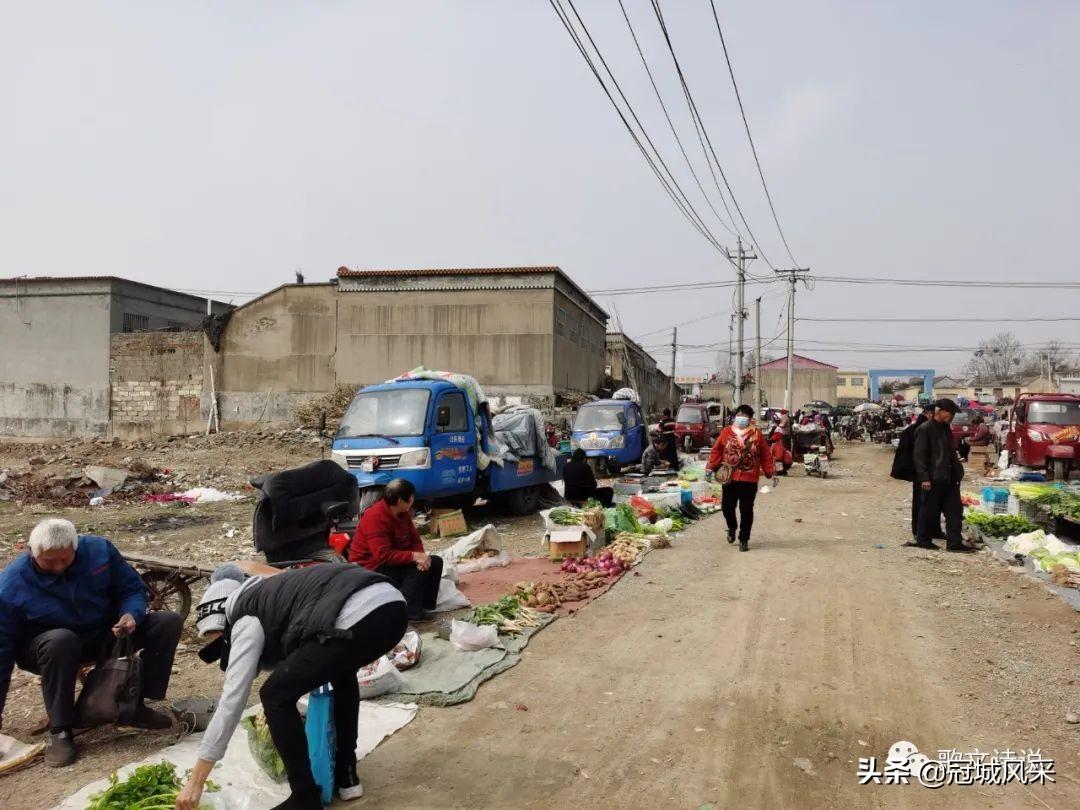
740, 258
674, 349
794, 274
757, 356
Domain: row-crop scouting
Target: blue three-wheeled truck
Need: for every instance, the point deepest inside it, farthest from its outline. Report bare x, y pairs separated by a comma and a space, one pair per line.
426, 432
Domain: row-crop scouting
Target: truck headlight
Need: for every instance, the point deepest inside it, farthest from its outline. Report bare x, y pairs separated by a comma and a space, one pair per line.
1035, 436
414, 458
617, 442
340, 459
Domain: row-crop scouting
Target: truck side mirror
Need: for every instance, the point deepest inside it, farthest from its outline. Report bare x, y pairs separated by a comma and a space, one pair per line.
442, 416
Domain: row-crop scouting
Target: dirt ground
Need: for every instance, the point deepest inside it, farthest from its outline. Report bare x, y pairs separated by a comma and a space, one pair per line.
701, 682
707, 678
205, 533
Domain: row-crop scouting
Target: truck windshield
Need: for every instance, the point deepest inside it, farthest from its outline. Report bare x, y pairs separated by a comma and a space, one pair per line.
386, 413
689, 416
599, 417
1054, 413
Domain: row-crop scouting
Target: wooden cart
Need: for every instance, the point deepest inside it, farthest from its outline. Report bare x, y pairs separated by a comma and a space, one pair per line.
168, 582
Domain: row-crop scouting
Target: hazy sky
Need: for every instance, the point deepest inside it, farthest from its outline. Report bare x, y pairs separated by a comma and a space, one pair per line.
220, 146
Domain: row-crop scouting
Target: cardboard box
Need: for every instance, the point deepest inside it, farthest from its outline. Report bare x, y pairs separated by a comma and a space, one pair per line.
448, 522
567, 543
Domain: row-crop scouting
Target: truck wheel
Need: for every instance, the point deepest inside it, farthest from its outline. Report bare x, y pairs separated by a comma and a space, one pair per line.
1060, 472
523, 501
688, 444
614, 468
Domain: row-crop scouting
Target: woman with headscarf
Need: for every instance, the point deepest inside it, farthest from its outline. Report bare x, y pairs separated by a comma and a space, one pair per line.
740, 457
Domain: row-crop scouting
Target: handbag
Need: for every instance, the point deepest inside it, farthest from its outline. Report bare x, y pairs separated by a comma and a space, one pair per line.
113, 688
723, 473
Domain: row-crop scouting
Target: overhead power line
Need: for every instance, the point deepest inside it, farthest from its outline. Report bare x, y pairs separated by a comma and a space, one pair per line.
670, 185
940, 282
940, 319
749, 137
703, 132
671, 124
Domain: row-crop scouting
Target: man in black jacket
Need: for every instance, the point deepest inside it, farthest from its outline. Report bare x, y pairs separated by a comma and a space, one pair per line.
939, 472
903, 469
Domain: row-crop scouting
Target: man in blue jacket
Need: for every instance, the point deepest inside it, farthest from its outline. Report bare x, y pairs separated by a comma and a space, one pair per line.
60, 603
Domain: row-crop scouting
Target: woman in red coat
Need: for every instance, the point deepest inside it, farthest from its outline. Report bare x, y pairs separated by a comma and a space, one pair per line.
743, 449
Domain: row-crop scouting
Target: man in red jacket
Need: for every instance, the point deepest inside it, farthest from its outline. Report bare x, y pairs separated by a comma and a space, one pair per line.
387, 542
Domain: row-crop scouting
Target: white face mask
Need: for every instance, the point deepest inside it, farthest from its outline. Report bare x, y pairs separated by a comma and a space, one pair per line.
742, 421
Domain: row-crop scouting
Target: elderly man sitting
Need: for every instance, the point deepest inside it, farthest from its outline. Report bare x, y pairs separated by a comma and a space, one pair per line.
60, 603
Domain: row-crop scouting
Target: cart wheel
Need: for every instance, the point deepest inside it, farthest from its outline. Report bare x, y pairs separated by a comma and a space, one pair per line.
1060, 472
523, 501
165, 591
824, 474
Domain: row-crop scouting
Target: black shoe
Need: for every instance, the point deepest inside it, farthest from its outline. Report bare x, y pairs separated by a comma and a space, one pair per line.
923, 546
60, 751
731, 535
302, 801
148, 718
961, 549
348, 783
744, 545
422, 616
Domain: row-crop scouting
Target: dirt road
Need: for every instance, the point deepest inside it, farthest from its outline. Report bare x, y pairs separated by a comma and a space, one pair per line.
759, 679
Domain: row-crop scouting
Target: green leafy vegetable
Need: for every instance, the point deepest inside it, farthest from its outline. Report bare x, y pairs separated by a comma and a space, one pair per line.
149, 787
999, 525
626, 520
496, 612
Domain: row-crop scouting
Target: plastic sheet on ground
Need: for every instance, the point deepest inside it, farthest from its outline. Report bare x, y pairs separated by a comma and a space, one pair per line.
447, 676
243, 785
208, 495
494, 583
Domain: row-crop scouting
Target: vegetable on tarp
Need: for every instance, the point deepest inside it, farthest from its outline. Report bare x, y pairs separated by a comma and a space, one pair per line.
643, 509
626, 520
999, 525
148, 787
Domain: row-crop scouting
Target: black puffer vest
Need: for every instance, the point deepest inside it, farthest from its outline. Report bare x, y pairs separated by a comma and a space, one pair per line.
297, 606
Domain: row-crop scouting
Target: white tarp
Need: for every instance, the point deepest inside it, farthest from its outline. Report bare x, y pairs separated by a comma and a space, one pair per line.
243, 785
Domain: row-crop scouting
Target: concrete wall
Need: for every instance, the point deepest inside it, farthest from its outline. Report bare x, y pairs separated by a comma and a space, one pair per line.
163, 309
156, 383
653, 386
277, 352
501, 337
810, 384
54, 359
579, 346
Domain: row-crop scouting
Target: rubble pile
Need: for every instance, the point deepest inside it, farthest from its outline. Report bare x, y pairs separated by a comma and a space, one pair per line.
333, 404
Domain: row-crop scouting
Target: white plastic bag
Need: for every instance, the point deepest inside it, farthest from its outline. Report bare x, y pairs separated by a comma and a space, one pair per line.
407, 652
379, 678
500, 560
471, 637
450, 598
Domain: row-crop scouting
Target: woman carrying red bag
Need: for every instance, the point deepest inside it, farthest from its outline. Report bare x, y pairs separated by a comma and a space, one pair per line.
738, 459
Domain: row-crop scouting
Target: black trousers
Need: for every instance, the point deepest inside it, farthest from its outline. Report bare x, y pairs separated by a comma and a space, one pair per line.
739, 494
334, 661
941, 499
57, 655
420, 588
916, 503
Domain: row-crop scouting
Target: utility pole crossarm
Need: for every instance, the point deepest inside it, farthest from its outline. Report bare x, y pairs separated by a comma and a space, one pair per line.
740, 258
793, 275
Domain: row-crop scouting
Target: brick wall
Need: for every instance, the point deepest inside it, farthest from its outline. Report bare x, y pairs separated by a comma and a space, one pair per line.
156, 383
